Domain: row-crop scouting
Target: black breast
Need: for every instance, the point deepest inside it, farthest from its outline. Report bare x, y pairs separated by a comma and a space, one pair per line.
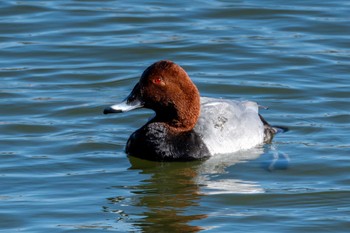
155, 142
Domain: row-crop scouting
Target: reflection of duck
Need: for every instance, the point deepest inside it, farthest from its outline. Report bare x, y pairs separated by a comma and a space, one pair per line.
168, 193
186, 126
172, 194
217, 165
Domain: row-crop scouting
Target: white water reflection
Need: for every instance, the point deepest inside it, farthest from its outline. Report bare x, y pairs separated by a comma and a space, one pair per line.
216, 165
231, 186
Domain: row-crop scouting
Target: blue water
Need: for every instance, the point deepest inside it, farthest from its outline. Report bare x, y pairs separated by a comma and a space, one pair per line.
63, 166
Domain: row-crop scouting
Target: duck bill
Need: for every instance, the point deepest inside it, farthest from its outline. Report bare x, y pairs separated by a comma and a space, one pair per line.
130, 103
122, 107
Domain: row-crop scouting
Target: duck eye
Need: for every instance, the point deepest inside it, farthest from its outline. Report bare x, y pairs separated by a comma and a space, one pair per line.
158, 81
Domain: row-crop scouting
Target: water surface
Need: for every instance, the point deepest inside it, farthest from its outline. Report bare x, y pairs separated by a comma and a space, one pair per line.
63, 166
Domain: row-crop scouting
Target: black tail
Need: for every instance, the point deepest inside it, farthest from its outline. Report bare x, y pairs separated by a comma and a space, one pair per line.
270, 131
280, 129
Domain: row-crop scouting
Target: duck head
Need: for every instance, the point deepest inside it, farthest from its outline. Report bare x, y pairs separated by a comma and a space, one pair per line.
167, 89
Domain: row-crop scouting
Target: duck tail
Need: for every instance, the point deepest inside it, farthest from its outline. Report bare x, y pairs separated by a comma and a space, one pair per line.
270, 131
280, 129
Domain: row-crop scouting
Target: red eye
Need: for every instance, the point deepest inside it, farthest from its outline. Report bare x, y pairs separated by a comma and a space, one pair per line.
158, 81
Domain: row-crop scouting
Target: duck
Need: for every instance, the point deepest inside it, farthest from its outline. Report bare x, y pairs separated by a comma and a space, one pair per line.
186, 126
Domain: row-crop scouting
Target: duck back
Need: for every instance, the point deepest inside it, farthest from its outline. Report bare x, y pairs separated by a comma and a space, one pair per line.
227, 126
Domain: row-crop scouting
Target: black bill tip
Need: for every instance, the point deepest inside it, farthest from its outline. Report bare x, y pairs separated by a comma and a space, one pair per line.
111, 110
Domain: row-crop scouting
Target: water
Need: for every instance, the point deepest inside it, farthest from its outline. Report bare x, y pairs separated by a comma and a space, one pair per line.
63, 168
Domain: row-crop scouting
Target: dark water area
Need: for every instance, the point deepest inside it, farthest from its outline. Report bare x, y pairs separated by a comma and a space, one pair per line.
63, 167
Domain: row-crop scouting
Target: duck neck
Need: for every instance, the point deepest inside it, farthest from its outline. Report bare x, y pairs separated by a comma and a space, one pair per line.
183, 118
186, 120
